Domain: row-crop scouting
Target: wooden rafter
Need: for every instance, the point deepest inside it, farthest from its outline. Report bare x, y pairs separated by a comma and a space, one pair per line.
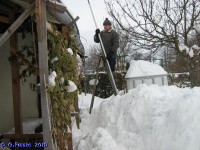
5, 20
74, 21
16, 24
54, 5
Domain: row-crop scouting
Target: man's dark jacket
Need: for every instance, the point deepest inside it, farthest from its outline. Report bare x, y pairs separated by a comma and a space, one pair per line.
110, 41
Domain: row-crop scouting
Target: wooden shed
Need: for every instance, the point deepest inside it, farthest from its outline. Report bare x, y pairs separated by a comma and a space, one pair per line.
33, 32
144, 72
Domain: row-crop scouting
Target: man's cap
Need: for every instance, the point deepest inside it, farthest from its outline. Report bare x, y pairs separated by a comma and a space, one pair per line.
107, 22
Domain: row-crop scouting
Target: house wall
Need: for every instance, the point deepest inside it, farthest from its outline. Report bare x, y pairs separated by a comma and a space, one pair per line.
29, 97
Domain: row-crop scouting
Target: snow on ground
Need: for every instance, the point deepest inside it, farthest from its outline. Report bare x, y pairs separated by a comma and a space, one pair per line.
84, 101
146, 118
29, 126
142, 68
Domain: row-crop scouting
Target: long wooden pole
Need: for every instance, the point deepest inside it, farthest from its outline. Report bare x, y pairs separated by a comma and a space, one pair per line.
43, 66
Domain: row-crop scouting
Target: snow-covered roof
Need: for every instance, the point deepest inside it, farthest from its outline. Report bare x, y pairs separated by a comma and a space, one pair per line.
143, 68
54, 14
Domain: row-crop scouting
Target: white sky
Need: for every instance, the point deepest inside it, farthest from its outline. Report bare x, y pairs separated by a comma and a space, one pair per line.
85, 23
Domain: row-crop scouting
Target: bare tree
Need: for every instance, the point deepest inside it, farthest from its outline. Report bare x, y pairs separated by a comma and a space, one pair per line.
126, 48
93, 58
152, 24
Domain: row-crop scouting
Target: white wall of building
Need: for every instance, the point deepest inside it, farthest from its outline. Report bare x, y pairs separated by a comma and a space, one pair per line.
133, 83
29, 97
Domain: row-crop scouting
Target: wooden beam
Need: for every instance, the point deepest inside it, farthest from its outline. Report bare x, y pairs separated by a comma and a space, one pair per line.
16, 24
56, 6
40, 11
74, 21
21, 136
16, 87
5, 20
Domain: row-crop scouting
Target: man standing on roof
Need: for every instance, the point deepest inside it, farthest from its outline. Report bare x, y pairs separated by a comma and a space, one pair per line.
110, 39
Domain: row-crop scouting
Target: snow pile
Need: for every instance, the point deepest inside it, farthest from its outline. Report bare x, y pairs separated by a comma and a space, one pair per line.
190, 51
52, 78
142, 68
184, 48
195, 47
92, 82
72, 86
69, 50
147, 118
84, 101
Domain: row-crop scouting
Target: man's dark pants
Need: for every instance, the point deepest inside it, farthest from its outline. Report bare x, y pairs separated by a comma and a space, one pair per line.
112, 62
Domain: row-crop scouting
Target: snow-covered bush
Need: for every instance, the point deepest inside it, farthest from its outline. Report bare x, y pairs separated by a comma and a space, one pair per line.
181, 80
63, 83
104, 88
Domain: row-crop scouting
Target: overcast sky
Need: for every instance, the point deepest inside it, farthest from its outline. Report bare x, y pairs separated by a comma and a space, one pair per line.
85, 23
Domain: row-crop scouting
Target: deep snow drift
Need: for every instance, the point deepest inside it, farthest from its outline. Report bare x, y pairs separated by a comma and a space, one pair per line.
147, 118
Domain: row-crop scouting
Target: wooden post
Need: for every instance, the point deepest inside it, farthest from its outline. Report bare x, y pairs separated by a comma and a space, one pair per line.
73, 21
69, 141
16, 86
40, 11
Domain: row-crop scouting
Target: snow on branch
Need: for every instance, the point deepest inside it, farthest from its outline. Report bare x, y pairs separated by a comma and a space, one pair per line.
194, 50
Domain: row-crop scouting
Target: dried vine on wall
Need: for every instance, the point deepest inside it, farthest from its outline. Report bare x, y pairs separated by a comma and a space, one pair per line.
62, 102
